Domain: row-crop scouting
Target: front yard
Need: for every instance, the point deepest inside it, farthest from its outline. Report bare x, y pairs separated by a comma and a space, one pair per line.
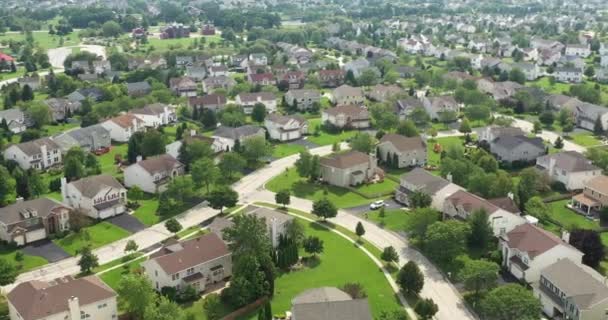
286, 149
28, 263
585, 139
394, 219
325, 138
96, 236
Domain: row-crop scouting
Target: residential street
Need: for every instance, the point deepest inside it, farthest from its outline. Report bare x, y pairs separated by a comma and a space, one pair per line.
546, 135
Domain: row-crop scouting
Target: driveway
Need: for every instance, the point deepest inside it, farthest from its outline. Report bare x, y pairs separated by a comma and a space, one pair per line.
359, 210
305, 143
127, 222
46, 249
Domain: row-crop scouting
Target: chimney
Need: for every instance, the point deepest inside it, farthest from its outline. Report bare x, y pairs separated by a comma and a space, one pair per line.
139, 158
45, 159
64, 188
449, 177
274, 231
192, 132
510, 195
74, 307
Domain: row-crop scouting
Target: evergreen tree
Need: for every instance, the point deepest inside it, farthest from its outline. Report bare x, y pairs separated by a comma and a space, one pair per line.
598, 128
27, 94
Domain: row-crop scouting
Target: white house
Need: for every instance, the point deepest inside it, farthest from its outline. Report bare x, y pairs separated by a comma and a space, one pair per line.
347, 116
196, 263
40, 154
579, 50
528, 249
15, 119
153, 174
226, 137
63, 299
123, 127
407, 151
249, 99
156, 115
423, 181
285, 128
568, 74
570, 168
99, 197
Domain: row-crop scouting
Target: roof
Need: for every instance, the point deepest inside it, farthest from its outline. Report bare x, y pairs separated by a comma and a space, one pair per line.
151, 109
509, 142
268, 215
253, 96
181, 256
208, 99
33, 147
471, 202
354, 112
162, 163
238, 132
599, 183
138, 86
42, 207
424, 181
60, 104
125, 120
346, 90
570, 161
345, 160
13, 114
90, 186
323, 294
284, 119
96, 132
532, 239
38, 299
329, 303
507, 204
403, 143
579, 282
304, 93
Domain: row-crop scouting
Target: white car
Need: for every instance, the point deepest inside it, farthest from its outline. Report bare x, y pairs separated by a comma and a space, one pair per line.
377, 204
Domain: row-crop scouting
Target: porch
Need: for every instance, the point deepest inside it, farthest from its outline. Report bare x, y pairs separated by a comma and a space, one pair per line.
585, 205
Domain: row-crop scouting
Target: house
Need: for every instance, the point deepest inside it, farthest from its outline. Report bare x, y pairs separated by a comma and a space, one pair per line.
174, 147
570, 168
28, 221
249, 99
331, 78
196, 73
579, 50
32, 81
571, 61
226, 137
349, 169
88, 77
303, 99
14, 118
138, 89
63, 298
123, 127
183, 86
404, 107
547, 57
81, 66
99, 197
219, 82
517, 148
208, 30
604, 61
530, 70
593, 198
95, 94
406, 71
347, 117
218, 71
293, 79
183, 61
285, 128
90, 139
498, 90
528, 249
276, 222
40, 154
152, 175
262, 79
462, 204
568, 74
346, 94
434, 106
491, 133
401, 151
357, 66
586, 114
572, 290
62, 108
258, 59
101, 67
156, 115
198, 263
174, 30
212, 102
382, 93
420, 180
329, 303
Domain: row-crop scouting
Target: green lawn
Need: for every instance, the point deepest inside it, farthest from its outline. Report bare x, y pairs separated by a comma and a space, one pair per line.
435, 157
396, 173
106, 161
146, 213
394, 219
567, 218
585, 139
96, 236
52, 130
545, 84
28, 263
302, 188
116, 262
43, 39
112, 278
10, 75
285, 149
325, 138
375, 190
183, 43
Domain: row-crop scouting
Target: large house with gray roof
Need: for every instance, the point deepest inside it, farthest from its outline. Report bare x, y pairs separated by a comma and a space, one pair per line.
517, 148
90, 138
276, 222
15, 119
285, 127
347, 95
99, 197
303, 99
347, 117
568, 74
586, 114
40, 154
226, 137
570, 168
401, 151
420, 180
329, 303
28, 221
349, 169
61, 108
152, 175
138, 89
434, 106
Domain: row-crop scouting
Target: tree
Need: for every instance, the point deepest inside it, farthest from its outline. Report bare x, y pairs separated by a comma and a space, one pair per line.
27, 94
516, 75
538, 127
510, 302
323, 208
136, 293
36, 184
223, 197
559, 143
204, 172
8, 184
447, 116
590, 244
446, 240
135, 193
131, 246
536, 207
212, 305
283, 197
360, 230
88, 261
426, 308
8, 272
421, 219
420, 116
410, 278
407, 128
111, 29
258, 113
479, 275
256, 148
465, 127
152, 144
481, 231
362, 142
231, 163
164, 309
173, 226
598, 128
355, 290
265, 313
313, 245
389, 254
39, 113
420, 199
547, 118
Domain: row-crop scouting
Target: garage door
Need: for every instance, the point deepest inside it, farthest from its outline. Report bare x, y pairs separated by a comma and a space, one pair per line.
35, 235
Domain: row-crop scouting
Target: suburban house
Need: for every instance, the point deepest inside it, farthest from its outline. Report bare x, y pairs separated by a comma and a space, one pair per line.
423, 181
349, 169
63, 298
276, 222
491, 133
434, 106
258, 59
212, 102
462, 204
357, 66
345, 95
303, 99
530, 70
138, 89
174, 31
579, 50
219, 82
570, 290
156, 115
528, 249
123, 127
568, 74
183, 86
218, 71
570, 168
152, 175
517, 148
32, 81
593, 198
285, 127
331, 78
95, 94
293, 79
198, 263
91, 138
196, 73
226, 137
174, 147
404, 107
15, 119
62, 108
329, 303
249, 99
401, 151
347, 117
382, 93
28, 221
586, 114
40, 154
262, 79
99, 197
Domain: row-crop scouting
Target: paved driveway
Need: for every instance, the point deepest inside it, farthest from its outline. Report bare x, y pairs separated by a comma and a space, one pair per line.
358, 210
305, 143
127, 222
46, 249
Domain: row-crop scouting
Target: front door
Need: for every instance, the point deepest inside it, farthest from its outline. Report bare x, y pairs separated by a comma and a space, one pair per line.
52, 224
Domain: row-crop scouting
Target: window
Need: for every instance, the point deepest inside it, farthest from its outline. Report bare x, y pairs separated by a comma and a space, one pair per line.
190, 271
175, 276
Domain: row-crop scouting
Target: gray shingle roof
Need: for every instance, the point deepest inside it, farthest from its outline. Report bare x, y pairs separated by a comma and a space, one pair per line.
329, 304
571, 161
238, 132
33, 147
424, 181
42, 206
90, 186
510, 142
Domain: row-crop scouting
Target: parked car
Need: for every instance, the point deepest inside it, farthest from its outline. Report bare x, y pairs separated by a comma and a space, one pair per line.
377, 204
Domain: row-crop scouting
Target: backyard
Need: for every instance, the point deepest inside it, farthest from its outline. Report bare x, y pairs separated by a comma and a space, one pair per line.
96, 236
325, 138
435, 157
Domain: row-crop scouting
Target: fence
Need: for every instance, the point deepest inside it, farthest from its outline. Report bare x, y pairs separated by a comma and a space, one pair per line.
246, 309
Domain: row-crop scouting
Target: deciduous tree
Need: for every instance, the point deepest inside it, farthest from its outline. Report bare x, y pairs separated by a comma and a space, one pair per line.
510, 302
410, 278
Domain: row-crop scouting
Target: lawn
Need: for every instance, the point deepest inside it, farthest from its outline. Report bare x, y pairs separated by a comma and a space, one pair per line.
183, 43
325, 138
376, 190
10, 75
585, 139
435, 157
43, 39
112, 278
394, 219
302, 188
396, 173
286, 149
96, 236
106, 161
568, 218
52, 130
28, 263
545, 84
146, 213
